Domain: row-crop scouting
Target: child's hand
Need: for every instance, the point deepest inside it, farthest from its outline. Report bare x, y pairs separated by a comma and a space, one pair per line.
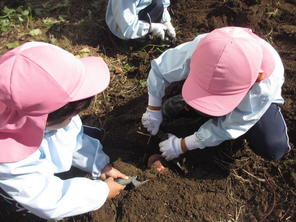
114, 188
170, 30
152, 119
158, 30
109, 171
171, 148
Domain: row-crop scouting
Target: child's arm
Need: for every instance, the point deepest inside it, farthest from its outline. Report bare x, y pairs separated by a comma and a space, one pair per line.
122, 19
32, 183
89, 155
166, 17
173, 65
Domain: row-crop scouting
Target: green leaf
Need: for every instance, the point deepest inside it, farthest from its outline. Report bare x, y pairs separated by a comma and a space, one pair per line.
49, 21
20, 19
8, 11
12, 45
25, 12
62, 18
84, 52
143, 83
35, 32
4, 25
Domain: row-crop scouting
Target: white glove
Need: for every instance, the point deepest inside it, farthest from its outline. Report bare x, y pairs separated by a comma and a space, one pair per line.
158, 30
170, 30
171, 148
151, 120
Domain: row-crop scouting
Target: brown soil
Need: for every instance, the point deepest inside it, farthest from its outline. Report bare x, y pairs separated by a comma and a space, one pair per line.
224, 183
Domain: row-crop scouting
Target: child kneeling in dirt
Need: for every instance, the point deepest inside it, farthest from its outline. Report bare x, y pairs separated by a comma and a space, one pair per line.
42, 90
134, 19
234, 78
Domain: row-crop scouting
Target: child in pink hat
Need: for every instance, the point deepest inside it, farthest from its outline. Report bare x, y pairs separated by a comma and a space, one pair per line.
234, 78
42, 90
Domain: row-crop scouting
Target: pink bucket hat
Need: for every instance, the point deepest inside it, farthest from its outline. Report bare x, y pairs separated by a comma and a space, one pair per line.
224, 67
35, 79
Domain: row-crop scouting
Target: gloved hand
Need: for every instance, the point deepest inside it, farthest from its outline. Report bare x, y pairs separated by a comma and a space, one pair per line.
151, 120
170, 30
158, 30
171, 148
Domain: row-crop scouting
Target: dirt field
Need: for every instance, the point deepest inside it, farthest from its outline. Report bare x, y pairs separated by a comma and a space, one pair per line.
226, 183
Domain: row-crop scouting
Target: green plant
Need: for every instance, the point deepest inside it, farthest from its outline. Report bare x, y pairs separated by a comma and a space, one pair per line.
10, 17
143, 83
128, 67
51, 6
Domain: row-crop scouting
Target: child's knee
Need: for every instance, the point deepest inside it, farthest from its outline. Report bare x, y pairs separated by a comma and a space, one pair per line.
275, 151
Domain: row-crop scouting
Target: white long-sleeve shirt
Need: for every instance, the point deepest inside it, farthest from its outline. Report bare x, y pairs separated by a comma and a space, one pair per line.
122, 18
33, 184
174, 64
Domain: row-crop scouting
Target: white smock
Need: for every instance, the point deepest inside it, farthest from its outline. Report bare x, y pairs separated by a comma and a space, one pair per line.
32, 182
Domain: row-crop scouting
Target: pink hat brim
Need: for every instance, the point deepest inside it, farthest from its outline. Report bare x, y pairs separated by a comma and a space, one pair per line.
213, 105
96, 80
268, 63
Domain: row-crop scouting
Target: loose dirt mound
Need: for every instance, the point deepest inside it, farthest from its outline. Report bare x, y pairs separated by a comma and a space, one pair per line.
224, 183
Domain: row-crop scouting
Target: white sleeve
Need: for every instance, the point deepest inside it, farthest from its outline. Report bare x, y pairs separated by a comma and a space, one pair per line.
231, 126
32, 183
123, 21
90, 156
171, 66
166, 17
